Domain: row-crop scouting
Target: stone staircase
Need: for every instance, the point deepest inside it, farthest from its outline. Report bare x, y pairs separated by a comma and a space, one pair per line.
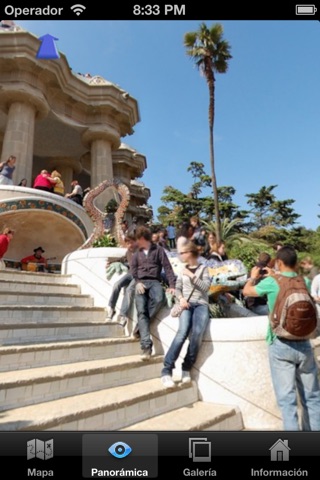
63, 367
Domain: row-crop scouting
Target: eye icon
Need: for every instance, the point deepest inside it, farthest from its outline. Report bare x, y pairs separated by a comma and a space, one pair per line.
120, 450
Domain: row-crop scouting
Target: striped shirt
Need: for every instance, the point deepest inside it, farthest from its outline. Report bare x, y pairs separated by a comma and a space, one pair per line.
185, 284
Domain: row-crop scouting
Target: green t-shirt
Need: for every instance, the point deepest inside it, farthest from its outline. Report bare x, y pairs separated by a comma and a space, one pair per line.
269, 286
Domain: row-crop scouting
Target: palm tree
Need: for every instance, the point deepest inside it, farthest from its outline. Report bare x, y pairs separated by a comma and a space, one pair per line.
210, 53
229, 228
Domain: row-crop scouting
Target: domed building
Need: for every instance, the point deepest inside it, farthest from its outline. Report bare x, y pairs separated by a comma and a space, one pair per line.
55, 119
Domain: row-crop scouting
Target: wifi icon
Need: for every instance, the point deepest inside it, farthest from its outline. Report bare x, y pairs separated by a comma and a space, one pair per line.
78, 9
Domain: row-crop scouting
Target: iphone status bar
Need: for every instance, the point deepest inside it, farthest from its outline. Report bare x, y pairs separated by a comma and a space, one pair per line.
186, 10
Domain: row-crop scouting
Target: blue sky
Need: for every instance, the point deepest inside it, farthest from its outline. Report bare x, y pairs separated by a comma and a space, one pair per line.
267, 121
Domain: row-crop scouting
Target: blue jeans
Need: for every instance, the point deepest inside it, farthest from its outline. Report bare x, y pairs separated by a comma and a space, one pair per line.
260, 310
233, 309
123, 282
294, 374
193, 323
172, 242
127, 298
148, 305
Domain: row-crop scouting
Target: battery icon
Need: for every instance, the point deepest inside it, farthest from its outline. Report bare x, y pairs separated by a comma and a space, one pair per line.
306, 9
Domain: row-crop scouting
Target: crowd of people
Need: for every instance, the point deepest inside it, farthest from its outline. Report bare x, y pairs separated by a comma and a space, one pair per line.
53, 183
150, 280
150, 276
293, 367
46, 181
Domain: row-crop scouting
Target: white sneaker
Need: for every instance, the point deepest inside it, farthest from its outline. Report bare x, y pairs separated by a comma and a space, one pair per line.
110, 313
146, 354
167, 381
122, 320
186, 378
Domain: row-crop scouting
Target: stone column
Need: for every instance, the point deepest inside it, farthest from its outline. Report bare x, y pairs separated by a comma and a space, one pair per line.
18, 139
101, 165
23, 108
101, 140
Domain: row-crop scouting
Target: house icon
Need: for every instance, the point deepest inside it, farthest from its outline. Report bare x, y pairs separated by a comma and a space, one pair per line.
280, 451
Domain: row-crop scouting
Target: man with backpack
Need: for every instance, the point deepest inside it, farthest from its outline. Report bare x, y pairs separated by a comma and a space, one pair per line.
292, 323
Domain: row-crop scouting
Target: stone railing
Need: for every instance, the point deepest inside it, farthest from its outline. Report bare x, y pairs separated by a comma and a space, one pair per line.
232, 367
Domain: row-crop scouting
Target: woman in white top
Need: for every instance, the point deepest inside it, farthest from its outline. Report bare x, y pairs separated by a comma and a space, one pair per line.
192, 286
77, 192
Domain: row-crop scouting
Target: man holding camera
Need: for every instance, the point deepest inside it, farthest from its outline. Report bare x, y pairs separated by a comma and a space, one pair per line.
293, 366
259, 305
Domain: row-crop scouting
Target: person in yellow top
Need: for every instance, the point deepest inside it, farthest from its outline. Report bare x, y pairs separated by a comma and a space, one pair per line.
58, 187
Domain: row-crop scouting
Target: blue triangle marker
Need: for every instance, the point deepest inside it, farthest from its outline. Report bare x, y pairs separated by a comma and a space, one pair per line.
48, 49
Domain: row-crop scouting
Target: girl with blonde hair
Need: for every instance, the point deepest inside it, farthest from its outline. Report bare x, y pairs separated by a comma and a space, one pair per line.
58, 187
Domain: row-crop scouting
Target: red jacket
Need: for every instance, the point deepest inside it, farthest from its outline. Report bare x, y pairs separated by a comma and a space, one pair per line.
4, 244
41, 180
34, 259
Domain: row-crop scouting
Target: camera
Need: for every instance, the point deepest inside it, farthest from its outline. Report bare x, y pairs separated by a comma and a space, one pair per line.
262, 268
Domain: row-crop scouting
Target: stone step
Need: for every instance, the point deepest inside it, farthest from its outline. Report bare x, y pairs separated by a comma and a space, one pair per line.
109, 409
20, 286
34, 277
29, 333
199, 416
8, 298
22, 314
26, 387
17, 357
64, 367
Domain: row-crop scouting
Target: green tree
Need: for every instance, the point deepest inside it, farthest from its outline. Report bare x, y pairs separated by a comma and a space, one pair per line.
248, 252
201, 178
210, 53
183, 205
267, 211
179, 206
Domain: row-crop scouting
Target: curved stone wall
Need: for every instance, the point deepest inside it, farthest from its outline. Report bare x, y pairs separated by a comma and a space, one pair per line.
232, 367
44, 219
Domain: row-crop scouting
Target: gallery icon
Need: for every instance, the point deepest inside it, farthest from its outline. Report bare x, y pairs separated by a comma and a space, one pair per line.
39, 449
279, 452
199, 450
